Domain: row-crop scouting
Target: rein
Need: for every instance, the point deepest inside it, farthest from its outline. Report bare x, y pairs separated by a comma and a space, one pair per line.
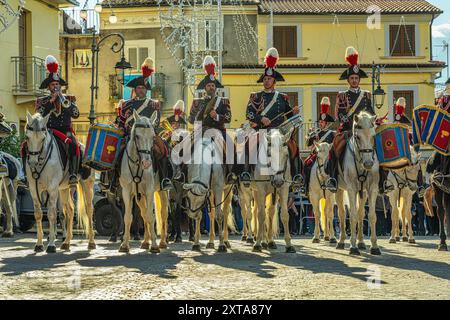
362, 177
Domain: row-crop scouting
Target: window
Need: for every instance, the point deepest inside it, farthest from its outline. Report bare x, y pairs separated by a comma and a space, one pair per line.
285, 40
23, 48
405, 44
207, 36
136, 51
409, 96
332, 96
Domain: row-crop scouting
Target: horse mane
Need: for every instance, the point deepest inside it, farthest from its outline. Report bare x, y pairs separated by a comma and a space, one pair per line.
37, 119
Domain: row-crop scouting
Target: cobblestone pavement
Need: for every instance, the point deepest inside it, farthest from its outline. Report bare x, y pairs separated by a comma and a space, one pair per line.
316, 271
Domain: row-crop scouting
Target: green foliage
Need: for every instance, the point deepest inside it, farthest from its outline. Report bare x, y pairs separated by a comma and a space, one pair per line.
11, 144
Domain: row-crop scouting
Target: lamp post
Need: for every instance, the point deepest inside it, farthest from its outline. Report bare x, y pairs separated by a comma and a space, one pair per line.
378, 94
120, 66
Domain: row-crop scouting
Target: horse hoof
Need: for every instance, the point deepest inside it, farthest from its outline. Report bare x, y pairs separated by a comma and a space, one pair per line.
244, 238
178, 240
124, 249
196, 247
413, 241
210, 245
290, 249
7, 234
333, 240
163, 245
355, 251
272, 245
340, 246
264, 245
405, 239
145, 245
51, 249
315, 240
155, 250
39, 248
92, 246
362, 246
326, 238
442, 247
375, 251
227, 244
222, 248
392, 240
65, 247
257, 248
397, 238
250, 241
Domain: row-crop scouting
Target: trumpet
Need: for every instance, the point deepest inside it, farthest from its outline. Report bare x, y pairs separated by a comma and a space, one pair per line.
167, 129
62, 100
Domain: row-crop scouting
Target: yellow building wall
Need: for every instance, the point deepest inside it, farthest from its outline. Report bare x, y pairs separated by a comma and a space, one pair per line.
42, 40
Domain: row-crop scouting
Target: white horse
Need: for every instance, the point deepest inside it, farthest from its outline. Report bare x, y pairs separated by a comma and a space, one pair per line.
405, 184
359, 178
321, 199
206, 186
45, 172
274, 182
137, 180
8, 195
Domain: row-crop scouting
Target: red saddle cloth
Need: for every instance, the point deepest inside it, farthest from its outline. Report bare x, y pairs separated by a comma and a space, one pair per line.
65, 139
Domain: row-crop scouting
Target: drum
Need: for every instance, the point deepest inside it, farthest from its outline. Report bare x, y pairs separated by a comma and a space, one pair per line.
392, 145
439, 132
102, 147
423, 117
291, 124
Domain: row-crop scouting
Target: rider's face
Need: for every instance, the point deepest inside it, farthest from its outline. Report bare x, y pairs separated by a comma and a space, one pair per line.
268, 82
141, 91
54, 86
354, 81
322, 124
210, 89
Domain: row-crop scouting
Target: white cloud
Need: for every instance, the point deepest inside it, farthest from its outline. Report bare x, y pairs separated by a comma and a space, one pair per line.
441, 30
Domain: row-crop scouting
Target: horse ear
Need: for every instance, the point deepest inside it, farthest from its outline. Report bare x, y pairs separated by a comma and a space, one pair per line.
29, 118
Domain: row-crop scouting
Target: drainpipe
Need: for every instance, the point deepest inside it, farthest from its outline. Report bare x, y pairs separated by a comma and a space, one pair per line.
66, 61
431, 36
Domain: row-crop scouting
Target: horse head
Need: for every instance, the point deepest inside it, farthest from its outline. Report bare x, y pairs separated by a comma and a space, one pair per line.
412, 171
323, 152
142, 135
363, 134
36, 134
278, 154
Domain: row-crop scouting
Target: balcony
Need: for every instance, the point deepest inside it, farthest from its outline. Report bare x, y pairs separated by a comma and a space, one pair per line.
28, 74
71, 23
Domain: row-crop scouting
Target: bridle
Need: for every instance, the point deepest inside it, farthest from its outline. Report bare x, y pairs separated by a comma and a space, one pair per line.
320, 167
357, 151
137, 176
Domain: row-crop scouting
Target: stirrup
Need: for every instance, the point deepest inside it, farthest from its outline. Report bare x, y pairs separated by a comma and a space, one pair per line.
166, 185
331, 185
73, 179
245, 178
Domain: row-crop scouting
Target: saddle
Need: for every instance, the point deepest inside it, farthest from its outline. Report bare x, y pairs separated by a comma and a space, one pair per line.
339, 145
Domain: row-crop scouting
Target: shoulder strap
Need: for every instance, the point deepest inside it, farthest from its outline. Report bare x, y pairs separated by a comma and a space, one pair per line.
140, 109
270, 105
325, 136
357, 103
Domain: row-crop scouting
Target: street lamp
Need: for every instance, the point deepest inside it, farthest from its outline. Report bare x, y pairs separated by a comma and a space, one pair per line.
98, 7
120, 66
378, 94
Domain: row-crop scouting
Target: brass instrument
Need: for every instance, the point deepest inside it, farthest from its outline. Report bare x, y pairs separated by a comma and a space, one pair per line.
167, 130
62, 100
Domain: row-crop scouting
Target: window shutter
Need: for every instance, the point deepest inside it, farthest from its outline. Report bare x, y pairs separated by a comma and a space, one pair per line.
285, 40
410, 35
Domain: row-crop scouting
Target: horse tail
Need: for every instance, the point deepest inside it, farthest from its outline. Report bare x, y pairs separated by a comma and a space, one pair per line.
82, 216
158, 207
323, 217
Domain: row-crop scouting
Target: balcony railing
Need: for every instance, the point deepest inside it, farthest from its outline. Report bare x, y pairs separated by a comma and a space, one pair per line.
70, 21
28, 74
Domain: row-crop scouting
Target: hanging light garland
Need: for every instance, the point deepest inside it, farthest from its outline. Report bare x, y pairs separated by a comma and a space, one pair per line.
8, 15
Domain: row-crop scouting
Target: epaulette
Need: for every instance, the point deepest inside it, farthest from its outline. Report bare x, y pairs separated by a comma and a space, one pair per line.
225, 100
155, 104
196, 101
284, 96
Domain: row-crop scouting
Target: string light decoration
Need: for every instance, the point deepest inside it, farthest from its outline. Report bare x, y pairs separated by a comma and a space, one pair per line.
8, 15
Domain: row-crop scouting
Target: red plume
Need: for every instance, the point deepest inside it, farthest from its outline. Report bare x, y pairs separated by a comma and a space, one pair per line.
325, 105
352, 56
51, 64
271, 58
148, 67
209, 65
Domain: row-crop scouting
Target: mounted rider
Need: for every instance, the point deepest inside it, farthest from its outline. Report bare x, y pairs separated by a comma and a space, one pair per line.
268, 109
145, 106
321, 134
349, 103
62, 109
212, 110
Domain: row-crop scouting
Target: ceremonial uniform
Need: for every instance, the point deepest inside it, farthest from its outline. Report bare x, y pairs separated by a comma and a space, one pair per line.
145, 107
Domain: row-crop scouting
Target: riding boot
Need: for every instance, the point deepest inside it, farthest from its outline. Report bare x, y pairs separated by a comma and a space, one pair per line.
333, 171
384, 185
163, 170
73, 170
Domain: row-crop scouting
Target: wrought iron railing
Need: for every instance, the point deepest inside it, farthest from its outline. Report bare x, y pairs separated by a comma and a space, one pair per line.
71, 21
28, 74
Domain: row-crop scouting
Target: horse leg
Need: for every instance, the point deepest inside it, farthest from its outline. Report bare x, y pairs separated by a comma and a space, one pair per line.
261, 204
393, 199
407, 213
212, 224
315, 201
283, 199
352, 197
221, 223
51, 215
68, 211
361, 214
39, 247
244, 214
375, 250
164, 198
329, 211
9, 202
342, 222
87, 187
177, 225
226, 215
445, 208
128, 219
196, 245
270, 214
